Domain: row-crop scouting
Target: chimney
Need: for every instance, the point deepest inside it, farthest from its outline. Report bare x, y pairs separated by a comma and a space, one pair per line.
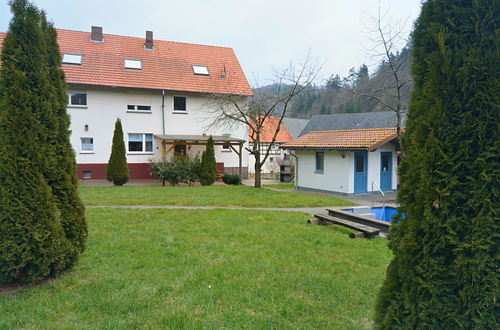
96, 34
149, 40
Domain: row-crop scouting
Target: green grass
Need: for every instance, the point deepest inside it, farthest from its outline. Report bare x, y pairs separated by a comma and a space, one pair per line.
243, 196
282, 185
207, 269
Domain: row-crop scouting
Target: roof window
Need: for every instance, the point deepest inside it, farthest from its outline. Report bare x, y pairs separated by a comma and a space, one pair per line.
201, 70
72, 59
133, 64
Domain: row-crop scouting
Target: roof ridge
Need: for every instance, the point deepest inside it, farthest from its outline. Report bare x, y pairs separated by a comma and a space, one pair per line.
353, 129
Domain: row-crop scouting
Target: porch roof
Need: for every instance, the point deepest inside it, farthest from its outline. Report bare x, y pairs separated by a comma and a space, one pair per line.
352, 139
192, 139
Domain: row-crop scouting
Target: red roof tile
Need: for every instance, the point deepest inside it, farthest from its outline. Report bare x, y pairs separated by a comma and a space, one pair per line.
168, 66
369, 139
269, 128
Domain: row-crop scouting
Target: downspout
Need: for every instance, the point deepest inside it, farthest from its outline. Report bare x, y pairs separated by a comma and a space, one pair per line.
296, 177
163, 111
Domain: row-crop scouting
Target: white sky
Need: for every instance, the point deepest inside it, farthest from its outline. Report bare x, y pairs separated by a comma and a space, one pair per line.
265, 34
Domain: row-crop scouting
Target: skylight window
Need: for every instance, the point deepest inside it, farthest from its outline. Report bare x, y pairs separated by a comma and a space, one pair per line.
72, 59
201, 70
133, 64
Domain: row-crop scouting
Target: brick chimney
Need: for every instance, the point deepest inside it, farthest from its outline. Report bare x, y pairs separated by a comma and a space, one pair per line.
149, 40
96, 34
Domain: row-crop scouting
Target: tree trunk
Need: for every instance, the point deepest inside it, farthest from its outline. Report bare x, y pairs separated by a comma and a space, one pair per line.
257, 167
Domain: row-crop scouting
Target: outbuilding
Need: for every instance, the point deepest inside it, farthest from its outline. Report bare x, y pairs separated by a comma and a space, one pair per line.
349, 161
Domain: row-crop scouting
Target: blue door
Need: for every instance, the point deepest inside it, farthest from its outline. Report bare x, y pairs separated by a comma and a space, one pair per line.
360, 171
385, 171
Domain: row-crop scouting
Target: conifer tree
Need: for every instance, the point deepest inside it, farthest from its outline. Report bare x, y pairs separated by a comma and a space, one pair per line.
444, 274
117, 170
208, 171
63, 180
32, 240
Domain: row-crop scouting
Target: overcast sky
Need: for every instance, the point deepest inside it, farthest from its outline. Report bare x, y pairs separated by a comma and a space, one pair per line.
265, 34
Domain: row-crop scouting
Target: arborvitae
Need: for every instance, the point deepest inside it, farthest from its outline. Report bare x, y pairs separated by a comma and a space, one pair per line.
63, 182
32, 241
445, 269
117, 170
208, 166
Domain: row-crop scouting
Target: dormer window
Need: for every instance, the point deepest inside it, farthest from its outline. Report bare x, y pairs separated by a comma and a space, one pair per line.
72, 59
133, 64
200, 70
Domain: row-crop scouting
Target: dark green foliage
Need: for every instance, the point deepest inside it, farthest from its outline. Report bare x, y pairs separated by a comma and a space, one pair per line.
208, 167
117, 170
445, 269
233, 179
180, 168
33, 244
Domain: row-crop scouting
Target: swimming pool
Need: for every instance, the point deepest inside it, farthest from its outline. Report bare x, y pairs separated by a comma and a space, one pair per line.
380, 213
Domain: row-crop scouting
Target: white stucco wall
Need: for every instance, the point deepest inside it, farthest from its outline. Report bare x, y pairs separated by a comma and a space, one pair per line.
106, 104
338, 173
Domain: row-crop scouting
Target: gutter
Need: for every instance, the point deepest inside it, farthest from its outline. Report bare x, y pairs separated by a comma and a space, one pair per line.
163, 111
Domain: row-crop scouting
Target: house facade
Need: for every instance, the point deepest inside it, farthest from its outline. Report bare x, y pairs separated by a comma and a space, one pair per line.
158, 89
345, 161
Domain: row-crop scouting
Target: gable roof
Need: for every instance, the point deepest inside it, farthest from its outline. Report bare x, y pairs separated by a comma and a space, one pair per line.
354, 139
362, 120
294, 125
269, 128
168, 66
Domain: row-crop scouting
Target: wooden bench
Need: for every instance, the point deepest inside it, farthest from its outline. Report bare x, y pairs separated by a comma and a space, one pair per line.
368, 231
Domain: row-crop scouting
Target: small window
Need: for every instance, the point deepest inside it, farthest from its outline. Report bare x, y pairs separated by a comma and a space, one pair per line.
139, 142
87, 144
179, 103
201, 70
72, 59
180, 150
77, 99
87, 175
139, 108
320, 162
226, 148
133, 64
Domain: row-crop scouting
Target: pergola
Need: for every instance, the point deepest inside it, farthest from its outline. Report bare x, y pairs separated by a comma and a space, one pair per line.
170, 141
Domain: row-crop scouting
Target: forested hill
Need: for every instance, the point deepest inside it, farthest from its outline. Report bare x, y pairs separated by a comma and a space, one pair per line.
336, 95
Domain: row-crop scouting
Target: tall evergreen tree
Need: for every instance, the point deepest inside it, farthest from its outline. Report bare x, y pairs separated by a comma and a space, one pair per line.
32, 241
117, 170
208, 166
445, 268
63, 181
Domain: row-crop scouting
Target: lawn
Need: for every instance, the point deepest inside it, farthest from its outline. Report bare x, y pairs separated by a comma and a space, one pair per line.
216, 269
243, 196
281, 185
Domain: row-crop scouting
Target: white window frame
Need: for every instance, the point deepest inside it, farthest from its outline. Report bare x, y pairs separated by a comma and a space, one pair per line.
136, 108
72, 59
84, 151
185, 104
74, 91
143, 144
200, 70
226, 148
132, 63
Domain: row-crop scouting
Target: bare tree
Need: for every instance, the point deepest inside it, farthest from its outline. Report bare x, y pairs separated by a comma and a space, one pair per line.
253, 112
388, 38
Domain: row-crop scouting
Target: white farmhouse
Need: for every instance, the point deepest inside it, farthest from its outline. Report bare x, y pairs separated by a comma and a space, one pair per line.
159, 90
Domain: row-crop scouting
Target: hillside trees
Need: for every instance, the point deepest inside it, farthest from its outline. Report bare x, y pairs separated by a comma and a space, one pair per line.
117, 169
42, 227
445, 268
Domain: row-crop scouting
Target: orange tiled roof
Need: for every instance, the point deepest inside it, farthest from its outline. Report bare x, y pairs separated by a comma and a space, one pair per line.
168, 66
368, 139
268, 129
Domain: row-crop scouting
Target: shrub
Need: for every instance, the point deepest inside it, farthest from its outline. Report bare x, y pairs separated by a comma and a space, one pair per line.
445, 268
208, 172
177, 169
117, 170
233, 179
